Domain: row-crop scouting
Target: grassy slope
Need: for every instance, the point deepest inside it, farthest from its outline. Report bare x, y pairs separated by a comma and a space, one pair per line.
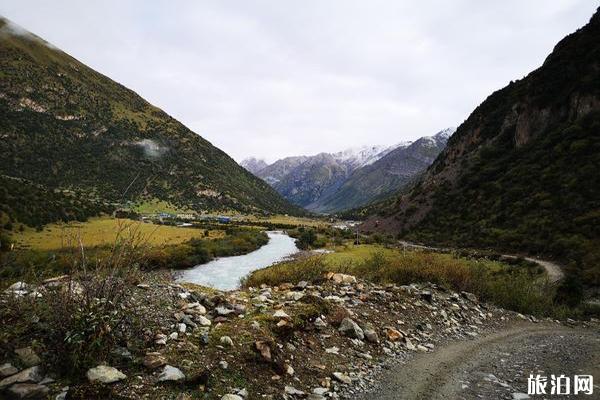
66, 126
519, 287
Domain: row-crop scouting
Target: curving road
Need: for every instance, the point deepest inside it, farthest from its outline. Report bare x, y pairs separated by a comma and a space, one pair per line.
495, 366
553, 270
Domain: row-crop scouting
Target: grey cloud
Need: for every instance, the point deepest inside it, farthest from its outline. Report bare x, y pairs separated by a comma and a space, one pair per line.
277, 78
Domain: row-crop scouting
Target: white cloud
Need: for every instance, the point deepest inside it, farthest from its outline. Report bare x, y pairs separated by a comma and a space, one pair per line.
276, 78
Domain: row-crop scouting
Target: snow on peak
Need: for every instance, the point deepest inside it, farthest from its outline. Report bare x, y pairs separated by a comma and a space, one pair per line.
446, 133
360, 156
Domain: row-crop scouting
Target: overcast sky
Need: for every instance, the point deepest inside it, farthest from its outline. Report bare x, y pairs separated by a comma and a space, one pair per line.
277, 78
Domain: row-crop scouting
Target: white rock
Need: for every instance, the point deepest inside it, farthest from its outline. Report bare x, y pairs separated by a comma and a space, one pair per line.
226, 340
203, 321
170, 373
293, 391
341, 377
280, 314
105, 374
231, 397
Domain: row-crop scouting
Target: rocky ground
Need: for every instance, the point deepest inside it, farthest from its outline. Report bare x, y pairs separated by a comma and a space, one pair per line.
334, 338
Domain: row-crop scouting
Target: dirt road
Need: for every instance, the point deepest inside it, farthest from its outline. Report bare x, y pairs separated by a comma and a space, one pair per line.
553, 270
495, 366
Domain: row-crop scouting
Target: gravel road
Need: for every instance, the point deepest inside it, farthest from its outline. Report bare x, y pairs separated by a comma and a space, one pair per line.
553, 270
496, 366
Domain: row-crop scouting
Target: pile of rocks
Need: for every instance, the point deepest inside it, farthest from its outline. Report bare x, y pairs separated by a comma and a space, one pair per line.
27, 382
315, 340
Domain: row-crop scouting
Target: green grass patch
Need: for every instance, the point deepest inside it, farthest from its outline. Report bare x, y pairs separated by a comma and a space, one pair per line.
520, 287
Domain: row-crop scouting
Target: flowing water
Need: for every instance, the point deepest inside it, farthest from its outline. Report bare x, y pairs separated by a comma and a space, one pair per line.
225, 273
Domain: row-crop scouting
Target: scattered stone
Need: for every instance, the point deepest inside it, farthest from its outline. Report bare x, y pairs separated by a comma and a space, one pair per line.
223, 364
223, 311
204, 338
226, 341
264, 349
33, 374
28, 390
28, 357
104, 374
351, 329
160, 339
280, 314
7, 369
320, 324
341, 278
203, 321
371, 335
295, 296
341, 377
393, 334
62, 395
469, 296
231, 397
170, 373
427, 296
292, 391
302, 285
154, 360
18, 286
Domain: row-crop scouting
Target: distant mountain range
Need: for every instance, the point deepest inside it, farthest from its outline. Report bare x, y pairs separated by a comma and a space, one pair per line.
522, 172
74, 143
332, 182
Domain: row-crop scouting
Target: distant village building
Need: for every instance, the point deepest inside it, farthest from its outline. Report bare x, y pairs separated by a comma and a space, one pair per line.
186, 216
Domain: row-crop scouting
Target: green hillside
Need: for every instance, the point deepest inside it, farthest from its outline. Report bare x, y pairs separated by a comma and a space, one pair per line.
521, 173
66, 128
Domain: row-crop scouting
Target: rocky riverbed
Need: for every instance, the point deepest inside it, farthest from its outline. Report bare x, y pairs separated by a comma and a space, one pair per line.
331, 338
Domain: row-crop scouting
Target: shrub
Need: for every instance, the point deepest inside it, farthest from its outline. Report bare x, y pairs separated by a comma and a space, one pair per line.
83, 318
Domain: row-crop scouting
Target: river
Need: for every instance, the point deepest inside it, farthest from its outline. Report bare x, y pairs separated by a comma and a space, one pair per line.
224, 273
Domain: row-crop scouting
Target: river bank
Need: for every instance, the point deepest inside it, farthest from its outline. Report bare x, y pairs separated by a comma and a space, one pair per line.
225, 273
327, 338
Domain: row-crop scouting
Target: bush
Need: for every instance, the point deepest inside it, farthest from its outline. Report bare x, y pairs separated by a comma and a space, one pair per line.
85, 315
